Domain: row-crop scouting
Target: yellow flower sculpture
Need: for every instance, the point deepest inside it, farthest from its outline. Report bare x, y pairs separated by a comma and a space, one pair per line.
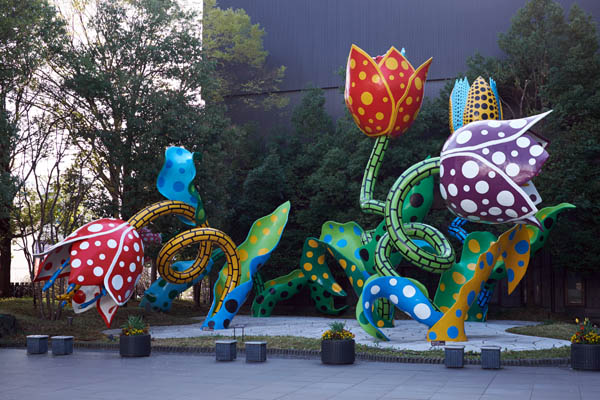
477, 102
384, 94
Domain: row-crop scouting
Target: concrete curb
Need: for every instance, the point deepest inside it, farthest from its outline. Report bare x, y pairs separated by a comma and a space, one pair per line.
316, 354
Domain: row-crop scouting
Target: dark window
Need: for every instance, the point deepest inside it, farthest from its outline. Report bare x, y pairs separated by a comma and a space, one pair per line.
575, 289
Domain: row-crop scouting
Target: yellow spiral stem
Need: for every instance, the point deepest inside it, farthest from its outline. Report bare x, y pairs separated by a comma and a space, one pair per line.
206, 237
68, 297
165, 207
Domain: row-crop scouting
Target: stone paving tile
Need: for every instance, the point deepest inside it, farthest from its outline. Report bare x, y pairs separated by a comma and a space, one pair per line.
104, 375
502, 397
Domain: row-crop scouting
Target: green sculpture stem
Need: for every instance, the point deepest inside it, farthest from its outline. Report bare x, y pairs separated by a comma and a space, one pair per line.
399, 233
367, 203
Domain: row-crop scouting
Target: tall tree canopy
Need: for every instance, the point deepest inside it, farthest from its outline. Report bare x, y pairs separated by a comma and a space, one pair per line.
134, 82
30, 35
236, 45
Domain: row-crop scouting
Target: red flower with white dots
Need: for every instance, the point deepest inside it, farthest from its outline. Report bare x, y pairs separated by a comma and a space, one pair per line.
384, 94
104, 254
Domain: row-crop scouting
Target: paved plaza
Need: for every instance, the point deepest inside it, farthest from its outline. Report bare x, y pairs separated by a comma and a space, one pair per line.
105, 375
406, 335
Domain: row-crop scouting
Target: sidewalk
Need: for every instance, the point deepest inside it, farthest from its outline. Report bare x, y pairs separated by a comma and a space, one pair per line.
105, 375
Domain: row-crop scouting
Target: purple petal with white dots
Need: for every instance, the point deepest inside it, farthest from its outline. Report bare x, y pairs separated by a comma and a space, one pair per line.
492, 160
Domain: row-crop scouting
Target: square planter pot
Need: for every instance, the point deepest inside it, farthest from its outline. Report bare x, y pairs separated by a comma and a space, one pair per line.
226, 350
454, 356
37, 344
585, 356
256, 351
490, 357
134, 346
62, 345
337, 351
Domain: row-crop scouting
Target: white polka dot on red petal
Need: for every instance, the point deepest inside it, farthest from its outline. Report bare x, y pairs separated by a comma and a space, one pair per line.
117, 282
95, 228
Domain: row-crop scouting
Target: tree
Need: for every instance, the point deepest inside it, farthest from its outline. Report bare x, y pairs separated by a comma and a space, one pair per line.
30, 35
131, 83
552, 62
49, 206
236, 45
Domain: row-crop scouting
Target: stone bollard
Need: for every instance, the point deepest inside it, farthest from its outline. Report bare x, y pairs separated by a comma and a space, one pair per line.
490, 357
226, 350
62, 345
455, 356
37, 344
256, 351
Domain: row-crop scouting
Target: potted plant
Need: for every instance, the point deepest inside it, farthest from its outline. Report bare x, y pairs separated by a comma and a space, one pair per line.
585, 346
135, 339
337, 345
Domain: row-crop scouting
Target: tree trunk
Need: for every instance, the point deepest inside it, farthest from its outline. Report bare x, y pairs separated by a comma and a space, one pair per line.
153, 271
5, 256
197, 291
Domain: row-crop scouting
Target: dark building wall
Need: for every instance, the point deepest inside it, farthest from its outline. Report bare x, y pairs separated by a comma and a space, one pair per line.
312, 38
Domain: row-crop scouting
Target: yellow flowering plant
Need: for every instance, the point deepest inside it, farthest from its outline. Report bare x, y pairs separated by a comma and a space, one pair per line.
586, 333
134, 326
337, 331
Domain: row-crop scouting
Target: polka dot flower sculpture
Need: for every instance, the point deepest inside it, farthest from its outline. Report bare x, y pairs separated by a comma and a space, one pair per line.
486, 171
103, 261
384, 94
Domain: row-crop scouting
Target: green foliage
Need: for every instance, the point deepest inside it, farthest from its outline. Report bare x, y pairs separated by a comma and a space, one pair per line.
132, 89
8, 187
134, 326
337, 326
236, 45
323, 165
552, 62
337, 331
264, 185
30, 34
